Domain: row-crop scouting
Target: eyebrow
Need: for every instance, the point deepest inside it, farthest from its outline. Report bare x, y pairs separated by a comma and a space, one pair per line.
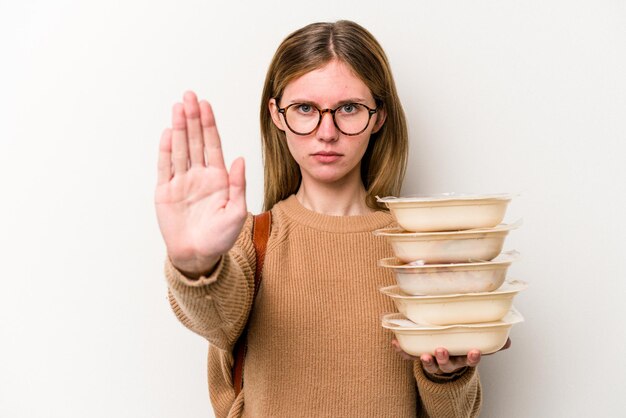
340, 103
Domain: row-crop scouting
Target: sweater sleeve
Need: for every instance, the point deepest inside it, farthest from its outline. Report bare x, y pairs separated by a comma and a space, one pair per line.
461, 397
217, 306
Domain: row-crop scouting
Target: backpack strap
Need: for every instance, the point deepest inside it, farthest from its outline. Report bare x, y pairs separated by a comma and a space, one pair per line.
261, 226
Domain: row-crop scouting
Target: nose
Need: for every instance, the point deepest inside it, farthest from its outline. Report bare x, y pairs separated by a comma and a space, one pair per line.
327, 131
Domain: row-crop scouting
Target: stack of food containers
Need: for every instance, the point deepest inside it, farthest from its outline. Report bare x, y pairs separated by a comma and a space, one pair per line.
452, 289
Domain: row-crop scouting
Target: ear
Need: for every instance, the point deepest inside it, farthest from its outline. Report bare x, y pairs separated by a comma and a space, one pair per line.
381, 116
278, 121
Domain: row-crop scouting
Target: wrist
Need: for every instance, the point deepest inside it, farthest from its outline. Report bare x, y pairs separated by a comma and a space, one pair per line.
441, 377
195, 270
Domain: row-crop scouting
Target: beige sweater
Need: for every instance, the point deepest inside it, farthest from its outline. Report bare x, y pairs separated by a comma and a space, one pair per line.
316, 347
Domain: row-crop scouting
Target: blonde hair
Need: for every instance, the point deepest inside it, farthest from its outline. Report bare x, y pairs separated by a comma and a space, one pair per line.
384, 164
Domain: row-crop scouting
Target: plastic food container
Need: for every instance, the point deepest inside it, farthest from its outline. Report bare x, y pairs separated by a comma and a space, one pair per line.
447, 247
447, 212
417, 339
465, 308
445, 279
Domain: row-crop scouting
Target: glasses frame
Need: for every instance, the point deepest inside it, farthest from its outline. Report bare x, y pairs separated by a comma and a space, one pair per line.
283, 111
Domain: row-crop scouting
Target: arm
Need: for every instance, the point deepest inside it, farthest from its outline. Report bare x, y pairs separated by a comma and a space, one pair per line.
216, 306
201, 210
447, 385
448, 397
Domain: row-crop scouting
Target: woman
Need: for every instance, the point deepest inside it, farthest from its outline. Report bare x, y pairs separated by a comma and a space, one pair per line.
334, 137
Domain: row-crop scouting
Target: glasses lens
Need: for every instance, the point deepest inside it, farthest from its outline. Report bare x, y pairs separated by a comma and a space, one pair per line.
352, 118
302, 118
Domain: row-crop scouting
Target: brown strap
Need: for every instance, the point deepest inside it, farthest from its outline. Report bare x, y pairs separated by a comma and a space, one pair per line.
260, 234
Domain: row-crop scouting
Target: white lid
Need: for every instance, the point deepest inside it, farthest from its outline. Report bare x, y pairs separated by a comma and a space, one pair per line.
509, 286
403, 233
446, 196
397, 321
506, 257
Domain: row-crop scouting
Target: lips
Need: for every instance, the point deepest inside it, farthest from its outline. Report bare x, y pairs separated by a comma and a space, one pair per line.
327, 153
327, 156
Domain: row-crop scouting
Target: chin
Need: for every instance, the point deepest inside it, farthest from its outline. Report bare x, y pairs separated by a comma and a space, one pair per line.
328, 175
328, 178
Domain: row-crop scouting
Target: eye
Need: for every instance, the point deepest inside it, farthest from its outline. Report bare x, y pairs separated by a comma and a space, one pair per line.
304, 108
349, 108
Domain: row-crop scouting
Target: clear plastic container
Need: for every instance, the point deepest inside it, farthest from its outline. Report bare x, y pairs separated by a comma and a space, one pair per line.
445, 279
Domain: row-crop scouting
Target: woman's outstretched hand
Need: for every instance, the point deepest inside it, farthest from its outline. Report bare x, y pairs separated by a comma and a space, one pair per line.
442, 362
200, 206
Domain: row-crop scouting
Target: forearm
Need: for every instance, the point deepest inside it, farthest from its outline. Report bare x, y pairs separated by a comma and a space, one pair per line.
215, 307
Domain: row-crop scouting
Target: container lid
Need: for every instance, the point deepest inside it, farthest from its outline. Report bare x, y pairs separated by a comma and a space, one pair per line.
397, 321
446, 196
506, 257
509, 286
399, 232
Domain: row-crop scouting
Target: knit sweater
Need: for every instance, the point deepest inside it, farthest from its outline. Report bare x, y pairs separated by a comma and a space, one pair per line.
316, 347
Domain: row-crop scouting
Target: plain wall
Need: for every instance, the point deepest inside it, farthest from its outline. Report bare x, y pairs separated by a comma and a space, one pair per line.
501, 96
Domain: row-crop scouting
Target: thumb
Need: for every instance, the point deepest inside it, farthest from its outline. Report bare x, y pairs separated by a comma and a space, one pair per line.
237, 184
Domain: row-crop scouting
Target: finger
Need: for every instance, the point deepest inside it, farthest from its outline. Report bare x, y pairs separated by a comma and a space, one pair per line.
237, 184
180, 153
506, 345
396, 346
194, 129
429, 364
165, 157
473, 358
443, 360
212, 142
405, 356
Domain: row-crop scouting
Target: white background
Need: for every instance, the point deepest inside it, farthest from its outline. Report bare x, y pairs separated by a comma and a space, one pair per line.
501, 96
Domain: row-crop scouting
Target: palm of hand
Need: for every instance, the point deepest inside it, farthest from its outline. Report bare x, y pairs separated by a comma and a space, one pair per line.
200, 206
193, 207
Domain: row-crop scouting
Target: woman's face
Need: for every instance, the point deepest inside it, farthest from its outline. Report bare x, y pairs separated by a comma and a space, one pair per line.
327, 155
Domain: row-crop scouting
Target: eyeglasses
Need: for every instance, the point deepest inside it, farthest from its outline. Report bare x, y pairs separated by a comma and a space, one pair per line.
350, 118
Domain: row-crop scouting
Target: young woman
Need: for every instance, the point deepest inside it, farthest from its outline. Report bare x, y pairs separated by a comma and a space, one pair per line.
334, 137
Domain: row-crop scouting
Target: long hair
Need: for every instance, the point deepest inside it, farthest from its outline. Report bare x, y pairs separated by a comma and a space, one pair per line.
384, 164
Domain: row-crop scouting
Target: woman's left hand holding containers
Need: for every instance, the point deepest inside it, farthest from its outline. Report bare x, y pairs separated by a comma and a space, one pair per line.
453, 296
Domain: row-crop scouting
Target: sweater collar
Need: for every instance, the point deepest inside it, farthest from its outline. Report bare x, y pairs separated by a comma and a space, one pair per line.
340, 224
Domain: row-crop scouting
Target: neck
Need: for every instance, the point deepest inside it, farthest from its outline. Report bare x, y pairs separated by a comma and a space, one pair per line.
334, 199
